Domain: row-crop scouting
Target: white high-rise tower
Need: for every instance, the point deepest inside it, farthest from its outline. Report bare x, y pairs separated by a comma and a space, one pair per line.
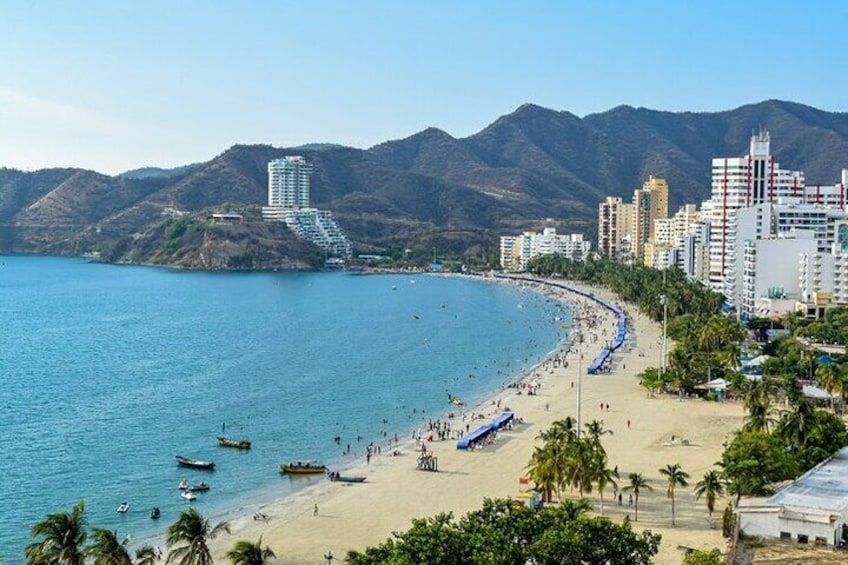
288, 183
740, 182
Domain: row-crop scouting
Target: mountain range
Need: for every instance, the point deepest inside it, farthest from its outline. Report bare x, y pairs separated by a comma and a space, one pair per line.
527, 169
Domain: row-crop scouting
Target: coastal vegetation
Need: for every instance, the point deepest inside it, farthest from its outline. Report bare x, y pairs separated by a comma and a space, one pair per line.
61, 540
567, 459
503, 533
784, 433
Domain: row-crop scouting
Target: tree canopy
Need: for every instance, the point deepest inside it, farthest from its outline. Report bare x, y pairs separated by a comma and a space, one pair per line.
502, 533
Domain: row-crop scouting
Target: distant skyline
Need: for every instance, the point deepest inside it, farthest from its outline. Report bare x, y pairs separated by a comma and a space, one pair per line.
117, 85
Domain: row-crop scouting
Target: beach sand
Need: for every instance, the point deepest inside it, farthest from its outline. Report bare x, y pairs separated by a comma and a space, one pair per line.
354, 516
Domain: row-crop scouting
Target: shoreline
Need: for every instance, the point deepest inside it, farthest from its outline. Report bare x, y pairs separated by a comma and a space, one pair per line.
395, 492
491, 404
266, 500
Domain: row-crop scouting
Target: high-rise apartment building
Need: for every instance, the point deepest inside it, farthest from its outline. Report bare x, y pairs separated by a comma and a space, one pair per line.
614, 223
650, 203
740, 182
288, 201
288, 183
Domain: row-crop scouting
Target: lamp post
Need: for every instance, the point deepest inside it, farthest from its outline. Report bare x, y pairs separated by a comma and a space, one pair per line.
664, 301
579, 378
578, 335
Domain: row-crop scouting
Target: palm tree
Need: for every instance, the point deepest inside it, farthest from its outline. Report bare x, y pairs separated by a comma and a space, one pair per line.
189, 533
605, 476
544, 470
107, 550
595, 429
675, 477
638, 483
145, 555
63, 537
572, 509
830, 378
797, 423
709, 487
561, 431
758, 397
249, 553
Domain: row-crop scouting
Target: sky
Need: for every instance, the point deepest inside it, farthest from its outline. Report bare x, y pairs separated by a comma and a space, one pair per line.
119, 84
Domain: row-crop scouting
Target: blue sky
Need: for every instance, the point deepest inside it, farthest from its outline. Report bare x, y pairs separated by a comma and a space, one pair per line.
114, 85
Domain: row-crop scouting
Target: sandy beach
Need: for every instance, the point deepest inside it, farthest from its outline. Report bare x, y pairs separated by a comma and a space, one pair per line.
354, 516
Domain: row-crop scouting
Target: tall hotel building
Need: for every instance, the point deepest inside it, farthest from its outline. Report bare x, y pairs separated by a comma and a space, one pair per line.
745, 182
288, 183
288, 201
614, 222
741, 182
650, 203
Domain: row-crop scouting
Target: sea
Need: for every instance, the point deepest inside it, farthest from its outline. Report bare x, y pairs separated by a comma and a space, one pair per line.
108, 372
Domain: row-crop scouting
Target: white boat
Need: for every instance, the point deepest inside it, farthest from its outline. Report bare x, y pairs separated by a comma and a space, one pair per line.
183, 484
188, 495
123, 507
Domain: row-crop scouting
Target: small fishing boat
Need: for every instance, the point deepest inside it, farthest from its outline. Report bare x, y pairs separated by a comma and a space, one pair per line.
195, 463
155, 513
200, 487
188, 495
303, 468
123, 507
236, 443
183, 484
347, 478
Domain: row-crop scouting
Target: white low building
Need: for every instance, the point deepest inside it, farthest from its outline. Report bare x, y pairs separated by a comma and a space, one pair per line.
517, 251
813, 509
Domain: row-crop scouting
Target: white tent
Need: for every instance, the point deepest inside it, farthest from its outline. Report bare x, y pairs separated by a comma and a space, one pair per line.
814, 392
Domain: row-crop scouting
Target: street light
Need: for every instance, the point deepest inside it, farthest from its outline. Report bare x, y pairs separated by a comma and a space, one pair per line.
663, 352
578, 335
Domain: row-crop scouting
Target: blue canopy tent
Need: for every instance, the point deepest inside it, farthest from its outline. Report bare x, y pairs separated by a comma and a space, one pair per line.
481, 432
502, 420
598, 362
622, 319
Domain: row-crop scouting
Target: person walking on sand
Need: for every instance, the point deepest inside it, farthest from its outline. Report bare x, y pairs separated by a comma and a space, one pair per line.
628, 424
315, 510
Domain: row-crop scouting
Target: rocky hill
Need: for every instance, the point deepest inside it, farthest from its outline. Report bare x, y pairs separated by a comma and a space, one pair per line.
429, 189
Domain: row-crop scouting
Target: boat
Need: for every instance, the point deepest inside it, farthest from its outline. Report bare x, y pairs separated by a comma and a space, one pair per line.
303, 468
188, 495
155, 513
200, 487
347, 478
195, 463
123, 507
183, 484
237, 443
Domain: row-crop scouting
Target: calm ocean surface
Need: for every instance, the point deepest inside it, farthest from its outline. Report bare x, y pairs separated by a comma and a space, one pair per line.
108, 372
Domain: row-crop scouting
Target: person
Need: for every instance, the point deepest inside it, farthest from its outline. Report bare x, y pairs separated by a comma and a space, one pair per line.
315, 510
630, 500
619, 499
628, 424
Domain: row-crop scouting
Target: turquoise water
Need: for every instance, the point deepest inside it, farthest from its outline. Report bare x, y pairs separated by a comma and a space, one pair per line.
109, 371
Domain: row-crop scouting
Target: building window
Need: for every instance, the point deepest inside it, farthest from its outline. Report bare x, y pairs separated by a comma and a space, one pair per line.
803, 538
821, 542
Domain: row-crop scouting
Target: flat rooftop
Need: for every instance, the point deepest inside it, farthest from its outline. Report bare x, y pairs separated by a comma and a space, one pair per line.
824, 487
